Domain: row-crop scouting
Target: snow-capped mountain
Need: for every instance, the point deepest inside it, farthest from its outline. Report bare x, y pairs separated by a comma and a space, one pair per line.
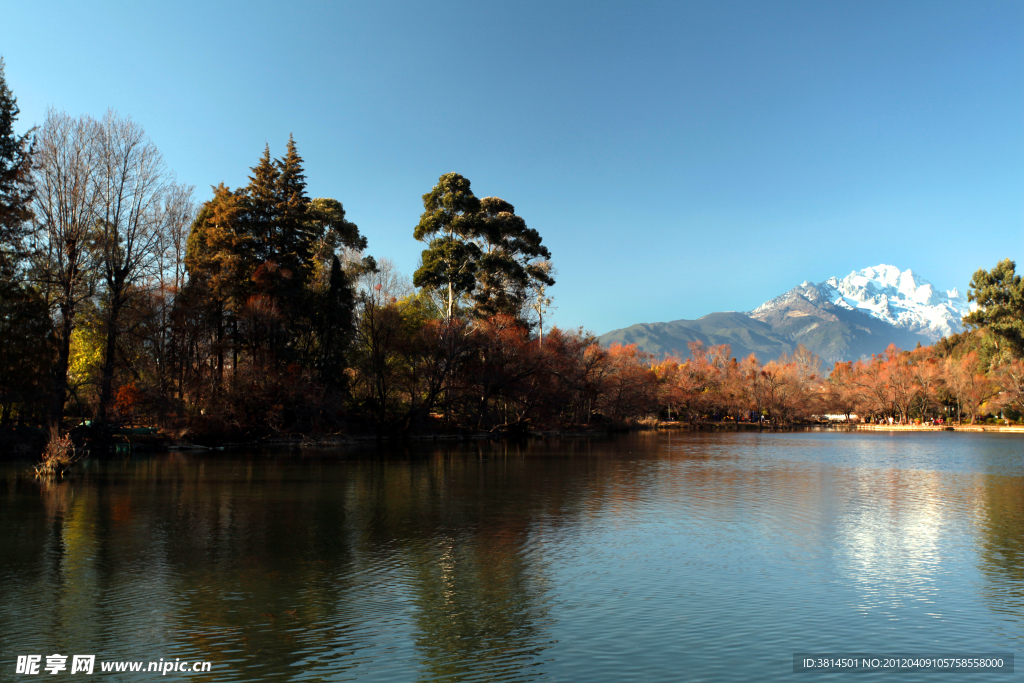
903, 299
838, 319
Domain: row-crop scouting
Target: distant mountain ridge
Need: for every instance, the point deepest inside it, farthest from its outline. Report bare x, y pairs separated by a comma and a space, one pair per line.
838, 319
744, 334
901, 299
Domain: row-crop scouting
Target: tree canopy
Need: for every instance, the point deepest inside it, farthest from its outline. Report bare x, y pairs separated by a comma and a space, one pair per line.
265, 259
478, 248
999, 294
512, 260
450, 221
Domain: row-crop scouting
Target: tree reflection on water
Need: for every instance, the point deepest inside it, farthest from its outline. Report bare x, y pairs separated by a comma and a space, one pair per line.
503, 561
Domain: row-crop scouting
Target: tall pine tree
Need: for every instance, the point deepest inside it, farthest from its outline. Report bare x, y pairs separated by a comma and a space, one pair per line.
25, 328
219, 272
294, 245
15, 180
266, 258
999, 298
259, 204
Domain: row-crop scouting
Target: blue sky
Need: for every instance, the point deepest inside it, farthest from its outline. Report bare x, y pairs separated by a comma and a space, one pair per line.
678, 158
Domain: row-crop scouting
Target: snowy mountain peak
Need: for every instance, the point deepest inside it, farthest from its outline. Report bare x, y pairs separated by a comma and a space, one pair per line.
903, 299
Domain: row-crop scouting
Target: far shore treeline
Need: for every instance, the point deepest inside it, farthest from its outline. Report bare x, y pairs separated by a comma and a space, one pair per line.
125, 300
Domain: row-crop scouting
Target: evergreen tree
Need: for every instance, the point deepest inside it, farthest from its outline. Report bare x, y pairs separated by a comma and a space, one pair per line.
334, 319
218, 258
512, 263
26, 353
266, 257
259, 204
15, 181
26, 350
294, 245
478, 247
999, 294
329, 230
331, 287
276, 220
451, 222
215, 249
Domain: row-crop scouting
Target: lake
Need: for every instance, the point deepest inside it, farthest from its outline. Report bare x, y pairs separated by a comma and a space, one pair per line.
651, 556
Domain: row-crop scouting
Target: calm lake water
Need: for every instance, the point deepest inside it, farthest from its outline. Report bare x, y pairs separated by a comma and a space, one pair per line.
652, 556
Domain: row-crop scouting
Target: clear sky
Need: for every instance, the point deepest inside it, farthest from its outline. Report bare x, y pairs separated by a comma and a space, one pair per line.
677, 158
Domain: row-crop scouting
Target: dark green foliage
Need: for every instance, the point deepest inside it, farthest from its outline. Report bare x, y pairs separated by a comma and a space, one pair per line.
26, 353
956, 346
510, 262
999, 294
288, 242
333, 320
15, 178
259, 201
450, 221
478, 247
449, 262
25, 328
329, 229
265, 260
450, 208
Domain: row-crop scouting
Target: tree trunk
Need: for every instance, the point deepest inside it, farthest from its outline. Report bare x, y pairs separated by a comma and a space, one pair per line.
234, 351
220, 349
110, 354
60, 369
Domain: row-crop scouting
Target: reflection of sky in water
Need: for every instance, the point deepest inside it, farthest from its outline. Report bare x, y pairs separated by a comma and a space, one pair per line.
651, 556
890, 539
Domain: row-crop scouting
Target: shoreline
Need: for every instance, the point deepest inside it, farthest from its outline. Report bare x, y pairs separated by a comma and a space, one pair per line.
1010, 429
20, 449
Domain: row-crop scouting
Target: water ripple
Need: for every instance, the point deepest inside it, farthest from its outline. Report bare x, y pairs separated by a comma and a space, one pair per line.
650, 556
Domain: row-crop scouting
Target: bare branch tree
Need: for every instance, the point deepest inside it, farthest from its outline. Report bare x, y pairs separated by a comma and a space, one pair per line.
132, 182
537, 302
179, 210
65, 210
